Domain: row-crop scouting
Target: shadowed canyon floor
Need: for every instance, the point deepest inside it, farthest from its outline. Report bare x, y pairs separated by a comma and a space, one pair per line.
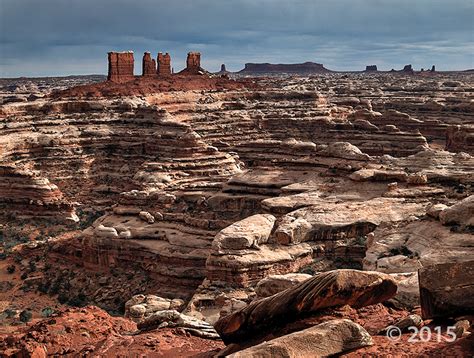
221, 193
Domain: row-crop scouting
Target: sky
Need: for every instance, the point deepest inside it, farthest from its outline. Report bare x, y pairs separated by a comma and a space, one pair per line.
66, 37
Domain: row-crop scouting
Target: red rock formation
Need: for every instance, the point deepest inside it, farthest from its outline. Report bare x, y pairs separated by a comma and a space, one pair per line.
164, 64
193, 61
120, 66
148, 65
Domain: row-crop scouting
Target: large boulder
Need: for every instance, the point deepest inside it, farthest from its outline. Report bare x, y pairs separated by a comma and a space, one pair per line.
447, 290
174, 319
461, 213
325, 339
245, 234
327, 289
139, 307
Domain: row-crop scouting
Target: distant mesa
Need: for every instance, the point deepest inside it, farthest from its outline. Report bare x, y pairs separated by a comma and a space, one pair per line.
371, 68
297, 68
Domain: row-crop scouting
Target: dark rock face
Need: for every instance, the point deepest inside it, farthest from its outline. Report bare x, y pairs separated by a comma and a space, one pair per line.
433, 68
297, 68
447, 290
223, 68
371, 68
328, 289
148, 65
164, 64
120, 66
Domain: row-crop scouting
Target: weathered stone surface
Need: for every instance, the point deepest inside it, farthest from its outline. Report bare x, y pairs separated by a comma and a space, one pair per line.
447, 290
325, 339
273, 284
461, 213
329, 221
245, 234
408, 292
406, 247
174, 319
327, 289
460, 138
120, 66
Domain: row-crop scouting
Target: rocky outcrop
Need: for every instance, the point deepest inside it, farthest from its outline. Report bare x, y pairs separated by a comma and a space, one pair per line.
327, 289
447, 290
193, 63
461, 213
163, 64
120, 66
148, 65
322, 340
245, 234
371, 68
460, 139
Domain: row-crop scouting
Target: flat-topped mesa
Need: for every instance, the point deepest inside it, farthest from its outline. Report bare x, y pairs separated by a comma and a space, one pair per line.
148, 65
164, 64
120, 66
371, 68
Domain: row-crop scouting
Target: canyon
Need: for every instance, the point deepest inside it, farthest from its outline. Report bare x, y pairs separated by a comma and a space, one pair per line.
203, 189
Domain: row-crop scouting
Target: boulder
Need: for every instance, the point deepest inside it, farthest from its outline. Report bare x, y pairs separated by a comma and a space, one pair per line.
174, 319
461, 213
327, 289
325, 339
447, 290
408, 294
277, 283
139, 307
435, 210
245, 234
106, 232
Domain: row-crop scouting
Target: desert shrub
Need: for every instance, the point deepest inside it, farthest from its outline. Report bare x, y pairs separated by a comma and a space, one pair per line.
11, 269
25, 316
47, 312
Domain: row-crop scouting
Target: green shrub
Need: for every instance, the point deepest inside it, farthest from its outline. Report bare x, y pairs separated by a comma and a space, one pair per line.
25, 316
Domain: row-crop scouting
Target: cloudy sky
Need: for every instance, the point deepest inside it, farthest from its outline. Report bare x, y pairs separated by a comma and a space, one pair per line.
61, 37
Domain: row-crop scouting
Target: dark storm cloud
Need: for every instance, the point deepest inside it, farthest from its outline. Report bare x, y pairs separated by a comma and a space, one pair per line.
72, 36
